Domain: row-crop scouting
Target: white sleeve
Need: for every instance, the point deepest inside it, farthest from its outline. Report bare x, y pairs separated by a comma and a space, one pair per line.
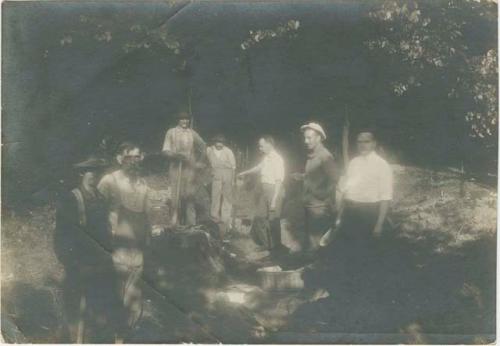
167, 143
232, 159
280, 169
104, 187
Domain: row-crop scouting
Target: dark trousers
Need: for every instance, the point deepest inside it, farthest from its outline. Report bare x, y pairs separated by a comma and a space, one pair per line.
354, 253
266, 228
318, 220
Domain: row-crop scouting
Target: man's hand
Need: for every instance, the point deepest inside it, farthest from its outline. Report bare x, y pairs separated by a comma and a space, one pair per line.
157, 230
377, 230
200, 165
273, 205
241, 175
297, 176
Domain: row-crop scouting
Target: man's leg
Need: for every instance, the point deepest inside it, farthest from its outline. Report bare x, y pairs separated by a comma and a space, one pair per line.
260, 224
128, 266
173, 180
274, 220
319, 219
188, 194
227, 201
216, 199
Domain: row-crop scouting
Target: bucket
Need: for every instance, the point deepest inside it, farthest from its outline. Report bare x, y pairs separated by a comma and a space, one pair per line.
275, 279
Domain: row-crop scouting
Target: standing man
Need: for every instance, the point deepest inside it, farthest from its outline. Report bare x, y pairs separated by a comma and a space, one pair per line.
270, 193
364, 194
127, 196
82, 242
186, 151
367, 190
319, 182
223, 165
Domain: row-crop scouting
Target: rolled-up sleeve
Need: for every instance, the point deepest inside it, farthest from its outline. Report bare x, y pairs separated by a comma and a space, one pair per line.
232, 160
167, 143
279, 167
386, 183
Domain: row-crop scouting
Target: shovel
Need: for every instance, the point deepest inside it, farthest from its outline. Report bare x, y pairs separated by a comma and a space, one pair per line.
330, 235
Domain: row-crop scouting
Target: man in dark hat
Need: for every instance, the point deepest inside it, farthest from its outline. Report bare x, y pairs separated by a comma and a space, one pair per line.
186, 151
223, 165
82, 243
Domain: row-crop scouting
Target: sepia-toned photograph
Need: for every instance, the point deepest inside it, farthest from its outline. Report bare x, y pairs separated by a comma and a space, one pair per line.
249, 171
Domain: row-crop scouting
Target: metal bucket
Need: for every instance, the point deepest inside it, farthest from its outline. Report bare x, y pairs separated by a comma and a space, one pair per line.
273, 279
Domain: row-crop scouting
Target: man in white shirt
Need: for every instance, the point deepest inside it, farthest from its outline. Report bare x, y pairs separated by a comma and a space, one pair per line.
223, 165
368, 186
271, 171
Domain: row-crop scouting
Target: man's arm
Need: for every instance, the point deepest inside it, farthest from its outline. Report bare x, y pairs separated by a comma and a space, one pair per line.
386, 192
167, 143
333, 173
232, 162
105, 189
382, 214
199, 143
251, 170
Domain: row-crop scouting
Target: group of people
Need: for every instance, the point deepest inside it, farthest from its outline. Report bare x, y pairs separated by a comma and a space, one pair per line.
110, 211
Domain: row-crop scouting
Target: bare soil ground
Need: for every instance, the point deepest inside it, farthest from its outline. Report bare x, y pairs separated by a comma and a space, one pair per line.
439, 283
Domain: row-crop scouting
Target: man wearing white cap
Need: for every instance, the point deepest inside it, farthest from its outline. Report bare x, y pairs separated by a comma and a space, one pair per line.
320, 181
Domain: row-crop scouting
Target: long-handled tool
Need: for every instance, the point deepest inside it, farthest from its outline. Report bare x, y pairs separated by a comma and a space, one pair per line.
175, 216
330, 235
81, 319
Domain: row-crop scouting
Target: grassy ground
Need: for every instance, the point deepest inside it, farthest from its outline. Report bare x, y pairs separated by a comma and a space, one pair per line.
441, 274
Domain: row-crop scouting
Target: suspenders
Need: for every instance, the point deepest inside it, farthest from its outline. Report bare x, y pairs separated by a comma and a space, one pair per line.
82, 218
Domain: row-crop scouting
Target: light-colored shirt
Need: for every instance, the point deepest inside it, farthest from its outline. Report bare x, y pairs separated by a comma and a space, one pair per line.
182, 141
120, 191
223, 158
272, 168
368, 179
128, 217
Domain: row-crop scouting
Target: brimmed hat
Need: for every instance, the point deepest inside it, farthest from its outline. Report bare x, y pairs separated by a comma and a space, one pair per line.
91, 163
183, 115
219, 139
316, 127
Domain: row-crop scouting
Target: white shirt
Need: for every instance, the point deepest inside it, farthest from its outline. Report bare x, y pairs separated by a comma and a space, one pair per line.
272, 168
223, 158
120, 191
368, 179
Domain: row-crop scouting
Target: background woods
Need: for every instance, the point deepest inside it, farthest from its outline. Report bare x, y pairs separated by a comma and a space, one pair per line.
424, 72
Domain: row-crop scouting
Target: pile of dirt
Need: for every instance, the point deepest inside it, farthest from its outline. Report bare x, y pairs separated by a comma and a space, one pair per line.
442, 204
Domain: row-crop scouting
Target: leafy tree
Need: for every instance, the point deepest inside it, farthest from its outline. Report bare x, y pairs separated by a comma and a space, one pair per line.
437, 40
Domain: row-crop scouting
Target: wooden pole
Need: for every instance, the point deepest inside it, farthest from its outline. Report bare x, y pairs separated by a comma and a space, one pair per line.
189, 108
175, 217
345, 139
81, 320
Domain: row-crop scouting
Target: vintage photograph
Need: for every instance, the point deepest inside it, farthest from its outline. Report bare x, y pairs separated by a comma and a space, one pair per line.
249, 172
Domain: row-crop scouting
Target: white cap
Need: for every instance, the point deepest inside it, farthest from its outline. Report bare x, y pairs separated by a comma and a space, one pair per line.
316, 127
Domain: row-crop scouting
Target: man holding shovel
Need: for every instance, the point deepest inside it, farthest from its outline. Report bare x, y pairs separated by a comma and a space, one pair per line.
184, 147
319, 183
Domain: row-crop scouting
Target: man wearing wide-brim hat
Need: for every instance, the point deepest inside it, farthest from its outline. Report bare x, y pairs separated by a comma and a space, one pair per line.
223, 166
319, 185
82, 242
186, 151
